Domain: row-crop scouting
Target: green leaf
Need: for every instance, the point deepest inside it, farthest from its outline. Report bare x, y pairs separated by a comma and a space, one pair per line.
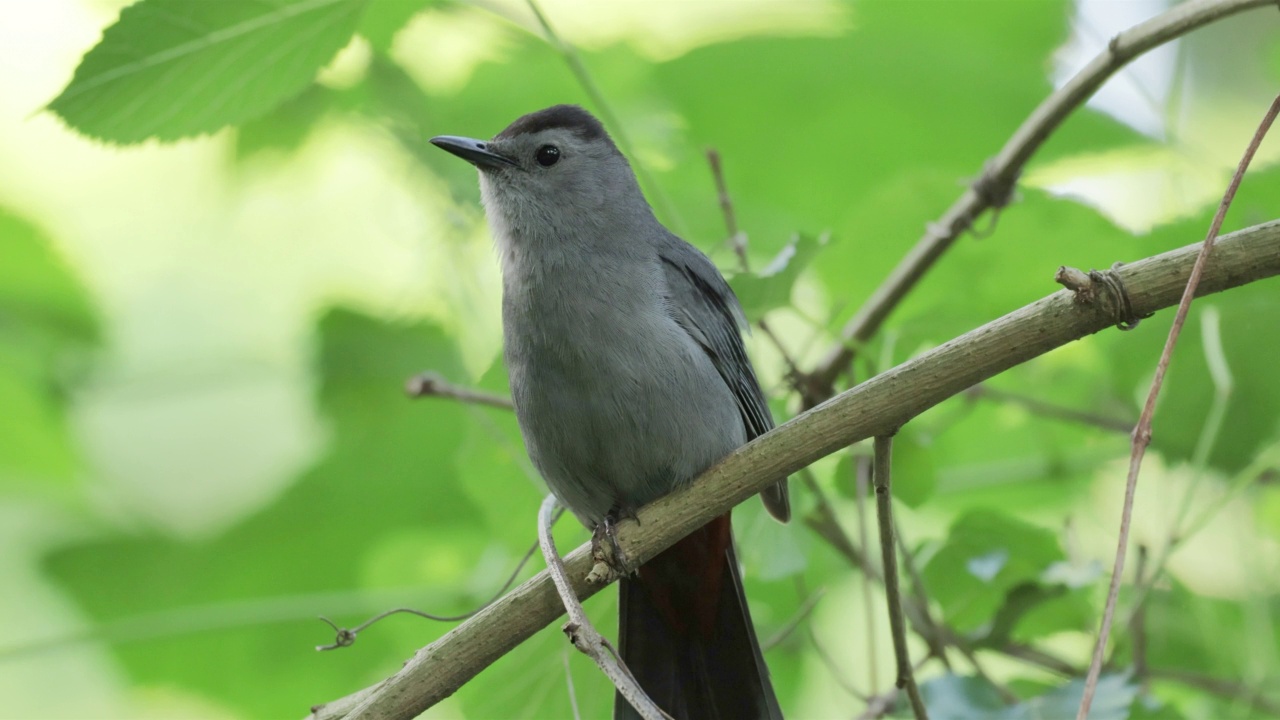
174, 68
770, 288
287, 126
986, 556
37, 287
961, 698
47, 329
955, 697
383, 508
384, 18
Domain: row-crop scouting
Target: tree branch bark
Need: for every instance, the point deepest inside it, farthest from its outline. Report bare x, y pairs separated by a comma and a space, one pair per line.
877, 406
993, 189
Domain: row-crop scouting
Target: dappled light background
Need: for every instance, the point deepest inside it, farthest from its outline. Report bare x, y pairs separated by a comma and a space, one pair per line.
205, 443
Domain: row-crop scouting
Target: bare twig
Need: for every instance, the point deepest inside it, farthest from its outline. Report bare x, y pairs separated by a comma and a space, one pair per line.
996, 183
822, 520
738, 241
1227, 689
784, 632
932, 634
889, 559
876, 406
1049, 410
1142, 433
1039, 658
1138, 622
431, 384
579, 629
862, 480
347, 636
880, 705
568, 681
580, 73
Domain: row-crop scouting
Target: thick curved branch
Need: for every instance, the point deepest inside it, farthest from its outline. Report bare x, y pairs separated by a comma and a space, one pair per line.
877, 406
994, 187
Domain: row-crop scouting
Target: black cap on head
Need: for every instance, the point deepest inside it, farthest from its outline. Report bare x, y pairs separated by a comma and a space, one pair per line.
570, 117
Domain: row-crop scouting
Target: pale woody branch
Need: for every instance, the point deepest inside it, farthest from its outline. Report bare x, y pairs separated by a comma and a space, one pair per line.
876, 407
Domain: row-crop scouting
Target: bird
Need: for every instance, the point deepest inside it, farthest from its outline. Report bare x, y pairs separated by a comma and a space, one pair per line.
624, 349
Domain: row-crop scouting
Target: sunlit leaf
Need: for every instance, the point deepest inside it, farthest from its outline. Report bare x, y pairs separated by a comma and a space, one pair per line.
384, 18
770, 287
174, 68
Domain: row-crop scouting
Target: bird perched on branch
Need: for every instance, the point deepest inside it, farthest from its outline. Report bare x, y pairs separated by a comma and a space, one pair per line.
624, 350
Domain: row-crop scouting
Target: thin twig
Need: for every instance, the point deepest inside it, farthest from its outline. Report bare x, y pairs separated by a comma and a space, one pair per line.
1179, 530
823, 521
432, 384
1226, 689
1005, 693
579, 70
784, 632
347, 636
579, 629
568, 681
1138, 621
1050, 410
1039, 658
880, 705
1142, 433
738, 241
862, 480
994, 187
875, 406
933, 630
889, 556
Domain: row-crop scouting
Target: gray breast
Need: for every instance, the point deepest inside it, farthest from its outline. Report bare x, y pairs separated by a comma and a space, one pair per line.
617, 404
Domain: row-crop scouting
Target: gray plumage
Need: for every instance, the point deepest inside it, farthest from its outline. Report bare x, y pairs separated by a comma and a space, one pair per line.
622, 341
624, 349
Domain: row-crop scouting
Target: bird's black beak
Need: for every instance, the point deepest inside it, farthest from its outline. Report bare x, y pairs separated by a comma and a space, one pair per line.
476, 152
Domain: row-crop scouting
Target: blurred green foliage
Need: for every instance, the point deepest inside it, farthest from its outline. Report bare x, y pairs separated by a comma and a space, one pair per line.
204, 441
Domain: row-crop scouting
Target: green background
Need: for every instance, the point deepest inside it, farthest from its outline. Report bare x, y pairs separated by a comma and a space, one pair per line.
223, 250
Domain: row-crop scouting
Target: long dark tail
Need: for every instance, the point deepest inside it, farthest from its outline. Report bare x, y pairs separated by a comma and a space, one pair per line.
685, 633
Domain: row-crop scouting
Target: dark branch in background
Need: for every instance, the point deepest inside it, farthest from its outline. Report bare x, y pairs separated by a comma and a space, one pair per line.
1226, 689
906, 679
992, 190
1142, 433
738, 241
822, 520
1049, 410
932, 632
862, 483
877, 406
790, 626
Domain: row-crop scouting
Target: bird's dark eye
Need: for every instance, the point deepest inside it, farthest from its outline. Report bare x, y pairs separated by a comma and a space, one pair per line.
547, 155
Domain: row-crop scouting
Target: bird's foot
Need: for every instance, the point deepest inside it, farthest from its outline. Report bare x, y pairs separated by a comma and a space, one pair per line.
610, 560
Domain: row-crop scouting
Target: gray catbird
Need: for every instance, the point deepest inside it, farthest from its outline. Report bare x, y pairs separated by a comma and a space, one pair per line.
629, 377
